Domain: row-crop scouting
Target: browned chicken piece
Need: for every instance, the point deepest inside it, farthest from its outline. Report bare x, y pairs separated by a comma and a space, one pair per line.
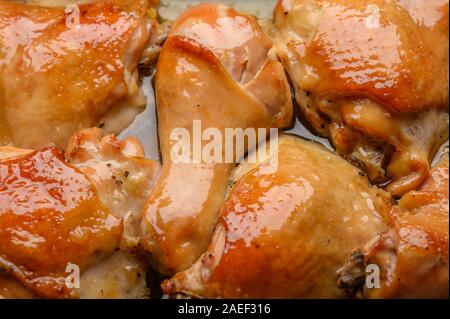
285, 234
59, 3
66, 68
50, 216
413, 256
373, 77
11, 288
54, 214
216, 67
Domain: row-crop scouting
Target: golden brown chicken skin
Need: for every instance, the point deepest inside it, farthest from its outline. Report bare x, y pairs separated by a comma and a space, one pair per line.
11, 288
86, 213
50, 216
215, 67
285, 234
413, 255
60, 3
372, 76
62, 68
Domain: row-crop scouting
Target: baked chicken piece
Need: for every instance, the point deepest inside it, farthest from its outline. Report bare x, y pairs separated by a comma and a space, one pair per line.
66, 68
413, 255
56, 213
60, 3
373, 77
285, 234
11, 288
216, 67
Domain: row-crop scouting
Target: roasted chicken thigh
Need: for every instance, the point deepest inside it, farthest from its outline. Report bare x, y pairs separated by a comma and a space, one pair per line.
285, 234
62, 69
54, 214
373, 77
413, 254
215, 68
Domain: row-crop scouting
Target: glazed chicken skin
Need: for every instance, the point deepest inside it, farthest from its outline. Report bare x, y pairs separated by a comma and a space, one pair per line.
215, 67
60, 72
59, 3
373, 77
11, 288
413, 254
285, 234
47, 222
53, 214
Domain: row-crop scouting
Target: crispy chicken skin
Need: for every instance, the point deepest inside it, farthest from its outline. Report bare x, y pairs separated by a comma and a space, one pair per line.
413, 255
216, 67
372, 76
285, 234
53, 214
58, 73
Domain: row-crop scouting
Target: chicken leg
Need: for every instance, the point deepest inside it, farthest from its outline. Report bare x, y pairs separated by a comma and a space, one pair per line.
217, 68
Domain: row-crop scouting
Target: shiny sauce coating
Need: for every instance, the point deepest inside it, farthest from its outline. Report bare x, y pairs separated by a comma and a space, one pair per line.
50, 216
